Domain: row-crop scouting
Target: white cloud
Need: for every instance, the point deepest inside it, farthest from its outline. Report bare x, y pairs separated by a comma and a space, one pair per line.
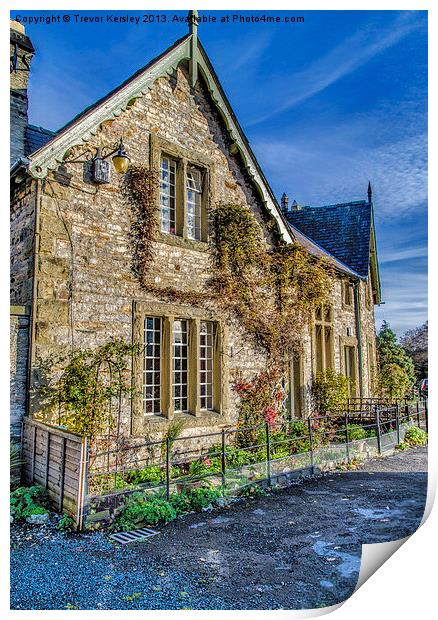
342, 60
316, 169
403, 255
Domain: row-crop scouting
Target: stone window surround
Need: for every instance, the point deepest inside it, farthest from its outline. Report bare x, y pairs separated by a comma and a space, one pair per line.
184, 157
323, 323
371, 363
350, 304
197, 417
350, 341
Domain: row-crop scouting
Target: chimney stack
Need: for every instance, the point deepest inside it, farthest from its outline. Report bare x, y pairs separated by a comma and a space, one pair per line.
285, 203
22, 52
296, 206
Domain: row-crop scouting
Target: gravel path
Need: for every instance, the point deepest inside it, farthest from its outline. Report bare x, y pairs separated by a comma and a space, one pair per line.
298, 548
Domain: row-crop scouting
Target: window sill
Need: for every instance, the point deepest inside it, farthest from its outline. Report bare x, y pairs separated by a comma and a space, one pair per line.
205, 419
175, 240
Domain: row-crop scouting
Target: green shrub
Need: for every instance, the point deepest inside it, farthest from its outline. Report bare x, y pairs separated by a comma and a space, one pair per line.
203, 467
66, 523
415, 436
330, 391
33, 509
26, 501
139, 509
153, 474
180, 502
201, 497
402, 446
234, 457
356, 432
253, 490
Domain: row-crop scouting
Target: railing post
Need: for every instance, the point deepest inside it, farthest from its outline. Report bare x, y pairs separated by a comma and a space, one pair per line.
167, 468
312, 461
418, 414
379, 438
268, 452
426, 415
397, 421
223, 464
347, 438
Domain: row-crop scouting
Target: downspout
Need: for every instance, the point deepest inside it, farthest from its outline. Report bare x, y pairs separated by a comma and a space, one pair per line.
36, 243
359, 335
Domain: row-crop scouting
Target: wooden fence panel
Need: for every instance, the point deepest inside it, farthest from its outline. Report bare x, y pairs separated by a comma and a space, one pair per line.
56, 460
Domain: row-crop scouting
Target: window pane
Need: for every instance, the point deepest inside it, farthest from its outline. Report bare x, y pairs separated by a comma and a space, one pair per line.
180, 365
167, 195
206, 354
194, 203
152, 366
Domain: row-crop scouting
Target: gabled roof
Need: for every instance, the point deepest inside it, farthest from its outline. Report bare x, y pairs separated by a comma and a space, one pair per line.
79, 130
36, 137
346, 230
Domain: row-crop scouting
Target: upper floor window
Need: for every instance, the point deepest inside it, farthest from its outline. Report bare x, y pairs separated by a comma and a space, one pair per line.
168, 195
183, 210
347, 296
194, 202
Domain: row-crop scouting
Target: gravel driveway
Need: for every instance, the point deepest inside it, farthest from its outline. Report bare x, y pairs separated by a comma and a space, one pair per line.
298, 548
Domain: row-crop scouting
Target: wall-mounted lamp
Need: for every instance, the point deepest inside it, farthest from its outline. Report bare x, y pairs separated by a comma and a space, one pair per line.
100, 165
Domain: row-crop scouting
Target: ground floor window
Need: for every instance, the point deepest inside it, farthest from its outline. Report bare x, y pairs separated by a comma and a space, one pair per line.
322, 339
152, 365
206, 358
350, 367
181, 363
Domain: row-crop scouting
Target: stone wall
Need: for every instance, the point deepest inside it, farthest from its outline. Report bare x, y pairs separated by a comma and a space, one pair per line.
85, 286
19, 346
22, 241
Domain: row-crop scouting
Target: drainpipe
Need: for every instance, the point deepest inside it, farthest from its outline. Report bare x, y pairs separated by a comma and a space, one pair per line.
359, 335
36, 243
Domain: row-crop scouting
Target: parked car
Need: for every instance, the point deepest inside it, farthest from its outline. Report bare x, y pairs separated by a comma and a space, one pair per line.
424, 387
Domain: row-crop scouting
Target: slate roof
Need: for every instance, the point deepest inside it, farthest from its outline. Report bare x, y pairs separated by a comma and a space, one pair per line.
342, 229
36, 137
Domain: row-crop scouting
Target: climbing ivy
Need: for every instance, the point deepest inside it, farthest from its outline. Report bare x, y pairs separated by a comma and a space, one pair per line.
86, 397
139, 189
270, 288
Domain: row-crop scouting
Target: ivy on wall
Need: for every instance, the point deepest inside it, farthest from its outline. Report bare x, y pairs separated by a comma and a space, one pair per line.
271, 290
140, 190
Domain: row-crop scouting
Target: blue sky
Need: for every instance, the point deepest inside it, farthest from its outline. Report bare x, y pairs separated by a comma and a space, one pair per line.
326, 105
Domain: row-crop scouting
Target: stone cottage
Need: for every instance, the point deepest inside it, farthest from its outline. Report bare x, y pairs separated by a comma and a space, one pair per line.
72, 283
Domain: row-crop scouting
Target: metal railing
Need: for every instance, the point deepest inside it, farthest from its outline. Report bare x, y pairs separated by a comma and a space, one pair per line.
240, 456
